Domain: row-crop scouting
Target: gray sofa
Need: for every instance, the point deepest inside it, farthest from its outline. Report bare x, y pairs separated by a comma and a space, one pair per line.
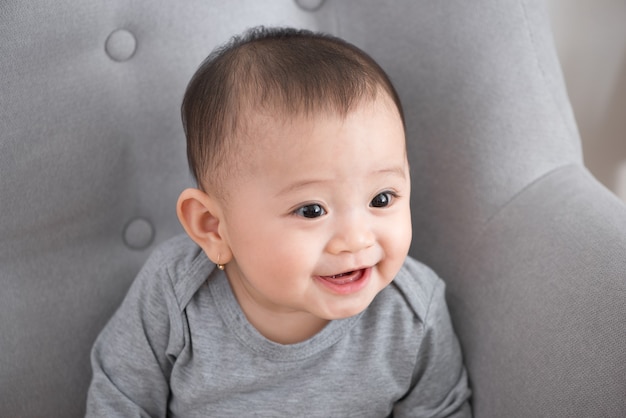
92, 159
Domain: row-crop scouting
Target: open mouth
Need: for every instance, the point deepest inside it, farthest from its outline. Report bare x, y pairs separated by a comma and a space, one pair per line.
348, 282
345, 278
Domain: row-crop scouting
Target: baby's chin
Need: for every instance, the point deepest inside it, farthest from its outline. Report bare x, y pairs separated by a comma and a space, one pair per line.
347, 310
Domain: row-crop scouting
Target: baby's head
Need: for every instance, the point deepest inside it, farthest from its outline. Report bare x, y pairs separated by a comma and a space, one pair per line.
280, 72
297, 142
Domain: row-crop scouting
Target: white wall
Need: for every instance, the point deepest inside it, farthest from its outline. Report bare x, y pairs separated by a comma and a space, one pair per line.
590, 37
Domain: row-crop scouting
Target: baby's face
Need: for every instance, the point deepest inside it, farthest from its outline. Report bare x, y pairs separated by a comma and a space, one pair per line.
319, 221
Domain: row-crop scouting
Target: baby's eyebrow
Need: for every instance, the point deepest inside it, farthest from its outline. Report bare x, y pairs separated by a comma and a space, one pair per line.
398, 171
301, 184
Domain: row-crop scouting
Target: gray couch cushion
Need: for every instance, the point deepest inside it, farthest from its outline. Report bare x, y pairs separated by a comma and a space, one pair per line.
92, 160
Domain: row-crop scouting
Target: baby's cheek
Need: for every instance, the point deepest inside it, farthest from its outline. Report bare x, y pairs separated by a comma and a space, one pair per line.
397, 245
401, 234
292, 254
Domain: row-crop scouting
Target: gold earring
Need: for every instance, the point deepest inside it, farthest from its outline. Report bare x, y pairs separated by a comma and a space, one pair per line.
219, 265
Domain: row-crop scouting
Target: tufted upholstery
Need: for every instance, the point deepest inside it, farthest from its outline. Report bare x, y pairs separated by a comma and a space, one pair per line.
92, 159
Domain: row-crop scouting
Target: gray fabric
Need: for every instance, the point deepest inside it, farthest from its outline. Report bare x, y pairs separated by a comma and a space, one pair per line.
91, 144
544, 303
181, 338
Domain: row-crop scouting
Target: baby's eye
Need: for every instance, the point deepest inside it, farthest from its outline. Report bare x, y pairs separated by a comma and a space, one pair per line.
310, 211
382, 200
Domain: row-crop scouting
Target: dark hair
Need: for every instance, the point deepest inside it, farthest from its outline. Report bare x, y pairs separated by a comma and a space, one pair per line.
297, 72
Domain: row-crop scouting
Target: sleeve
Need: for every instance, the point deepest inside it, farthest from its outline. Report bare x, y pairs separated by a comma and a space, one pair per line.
133, 355
440, 387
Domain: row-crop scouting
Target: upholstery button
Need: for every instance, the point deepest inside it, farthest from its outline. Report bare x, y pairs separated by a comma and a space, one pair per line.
310, 5
138, 234
120, 45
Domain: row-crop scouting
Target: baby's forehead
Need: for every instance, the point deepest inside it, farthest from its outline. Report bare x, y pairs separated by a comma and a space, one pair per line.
278, 129
280, 114
272, 141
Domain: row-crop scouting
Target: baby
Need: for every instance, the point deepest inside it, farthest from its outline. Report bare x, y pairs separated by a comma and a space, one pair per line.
291, 293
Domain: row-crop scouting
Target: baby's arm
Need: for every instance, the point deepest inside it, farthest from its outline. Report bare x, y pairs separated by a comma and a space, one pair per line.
440, 380
130, 364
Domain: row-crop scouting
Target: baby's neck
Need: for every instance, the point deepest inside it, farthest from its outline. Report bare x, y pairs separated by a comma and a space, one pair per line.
284, 328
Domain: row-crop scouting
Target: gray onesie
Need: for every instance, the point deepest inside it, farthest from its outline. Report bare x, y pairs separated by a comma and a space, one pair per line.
180, 346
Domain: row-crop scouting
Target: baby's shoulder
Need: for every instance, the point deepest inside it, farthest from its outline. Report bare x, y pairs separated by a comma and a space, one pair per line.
415, 286
177, 263
178, 253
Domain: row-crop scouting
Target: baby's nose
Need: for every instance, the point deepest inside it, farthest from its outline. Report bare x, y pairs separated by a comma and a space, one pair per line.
351, 236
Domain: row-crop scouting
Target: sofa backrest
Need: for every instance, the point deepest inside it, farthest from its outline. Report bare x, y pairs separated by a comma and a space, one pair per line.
92, 160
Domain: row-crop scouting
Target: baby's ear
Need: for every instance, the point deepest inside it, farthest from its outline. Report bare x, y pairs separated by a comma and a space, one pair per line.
201, 217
